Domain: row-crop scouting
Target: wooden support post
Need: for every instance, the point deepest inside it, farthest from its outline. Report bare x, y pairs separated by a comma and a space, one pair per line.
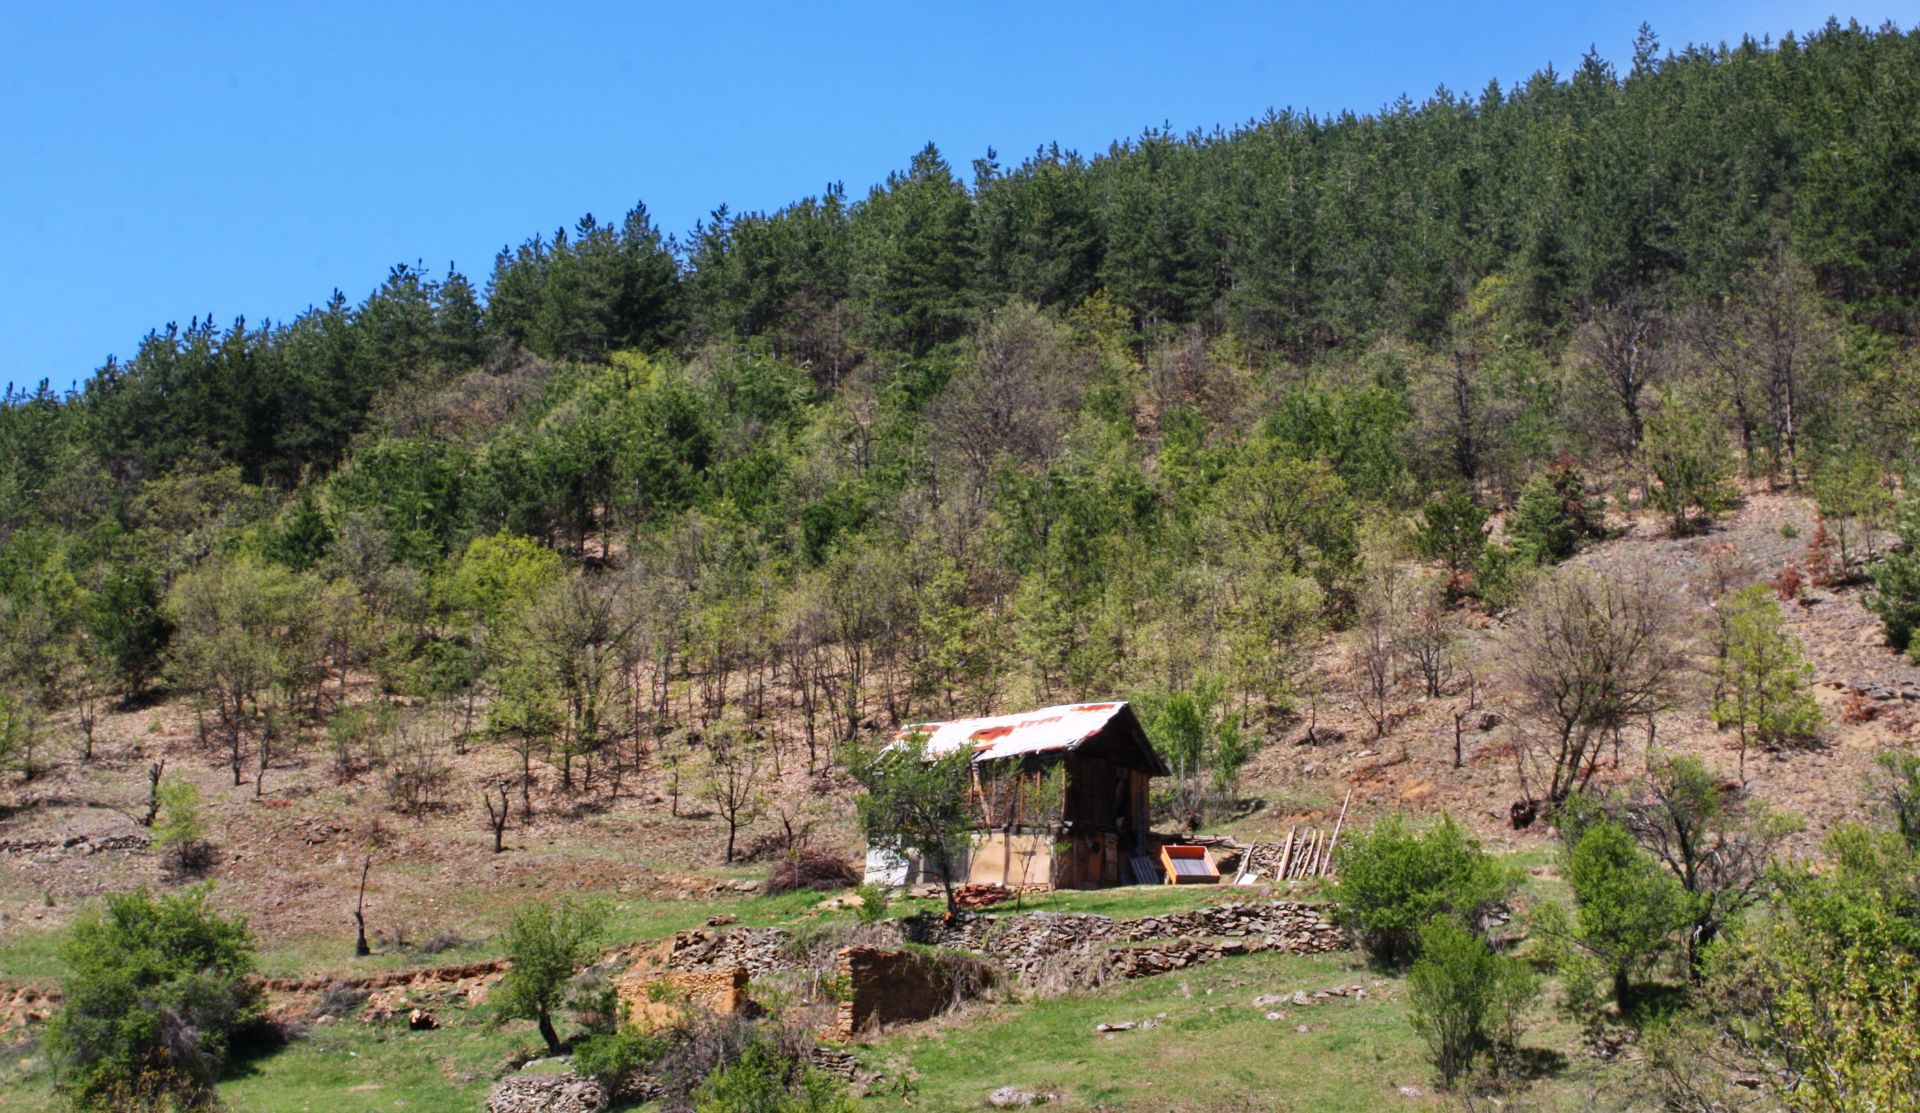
1286, 856
1337, 824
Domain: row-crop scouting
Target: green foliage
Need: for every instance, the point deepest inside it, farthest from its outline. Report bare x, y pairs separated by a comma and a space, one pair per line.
1465, 998
494, 579
587, 294
1895, 788
157, 990
19, 731
1851, 490
1820, 991
1393, 880
916, 803
1553, 514
874, 902
1896, 583
1361, 430
126, 624
1687, 453
763, 1080
608, 1058
1453, 531
180, 825
546, 944
1203, 744
1628, 907
1502, 576
1719, 852
1766, 681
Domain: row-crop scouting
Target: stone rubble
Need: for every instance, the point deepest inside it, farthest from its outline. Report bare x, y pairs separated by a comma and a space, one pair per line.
84, 844
546, 1093
1023, 944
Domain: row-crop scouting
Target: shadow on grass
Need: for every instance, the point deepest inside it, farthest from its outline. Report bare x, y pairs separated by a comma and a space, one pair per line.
1654, 1002
1533, 1064
252, 1044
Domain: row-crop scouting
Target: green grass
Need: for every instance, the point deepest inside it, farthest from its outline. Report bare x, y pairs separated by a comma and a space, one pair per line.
31, 957
1210, 1043
348, 1067
1210, 1050
356, 1068
1213, 1050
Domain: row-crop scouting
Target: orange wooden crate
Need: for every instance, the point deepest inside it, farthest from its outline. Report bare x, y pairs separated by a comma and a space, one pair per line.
1189, 865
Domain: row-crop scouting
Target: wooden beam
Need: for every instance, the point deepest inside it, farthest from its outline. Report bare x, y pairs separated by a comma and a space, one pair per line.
1335, 841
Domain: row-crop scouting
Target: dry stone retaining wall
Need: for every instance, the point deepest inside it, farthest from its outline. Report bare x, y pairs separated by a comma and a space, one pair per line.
1023, 943
720, 990
887, 986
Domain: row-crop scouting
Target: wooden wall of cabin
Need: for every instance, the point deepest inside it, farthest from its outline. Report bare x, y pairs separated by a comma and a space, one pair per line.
1100, 793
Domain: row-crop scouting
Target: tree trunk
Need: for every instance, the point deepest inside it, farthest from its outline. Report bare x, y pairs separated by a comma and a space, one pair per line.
360, 948
548, 1034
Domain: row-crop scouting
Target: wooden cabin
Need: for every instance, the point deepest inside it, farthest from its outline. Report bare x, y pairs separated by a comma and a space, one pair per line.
1060, 797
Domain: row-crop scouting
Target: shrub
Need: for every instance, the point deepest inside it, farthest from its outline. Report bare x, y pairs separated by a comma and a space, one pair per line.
546, 944
1766, 681
874, 902
1453, 531
418, 773
158, 988
610, 1058
1896, 584
595, 1003
180, 829
1628, 907
1895, 788
765, 1079
1554, 513
1500, 576
812, 869
354, 733
1536, 526
1465, 997
1687, 451
1392, 881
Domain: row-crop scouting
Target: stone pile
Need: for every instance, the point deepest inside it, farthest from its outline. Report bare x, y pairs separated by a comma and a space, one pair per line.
834, 1061
756, 950
83, 844
1023, 944
546, 1093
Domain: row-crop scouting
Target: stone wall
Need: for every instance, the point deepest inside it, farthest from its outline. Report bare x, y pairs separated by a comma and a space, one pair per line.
1023, 944
881, 985
755, 950
1026, 942
655, 997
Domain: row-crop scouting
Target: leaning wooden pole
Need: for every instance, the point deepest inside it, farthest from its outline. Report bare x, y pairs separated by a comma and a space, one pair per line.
1335, 841
1286, 856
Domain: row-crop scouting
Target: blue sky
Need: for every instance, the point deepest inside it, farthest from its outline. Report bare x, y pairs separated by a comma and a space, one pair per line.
167, 160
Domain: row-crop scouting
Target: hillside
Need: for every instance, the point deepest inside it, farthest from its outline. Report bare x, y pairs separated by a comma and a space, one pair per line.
1492, 457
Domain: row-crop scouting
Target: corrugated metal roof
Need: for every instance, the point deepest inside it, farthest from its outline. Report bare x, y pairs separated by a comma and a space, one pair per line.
1029, 732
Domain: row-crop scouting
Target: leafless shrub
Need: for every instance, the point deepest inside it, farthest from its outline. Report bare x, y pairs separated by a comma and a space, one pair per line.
1427, 638
1067, 972
340, 1001
812, 869
417, 772
1583, 659
439, 942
